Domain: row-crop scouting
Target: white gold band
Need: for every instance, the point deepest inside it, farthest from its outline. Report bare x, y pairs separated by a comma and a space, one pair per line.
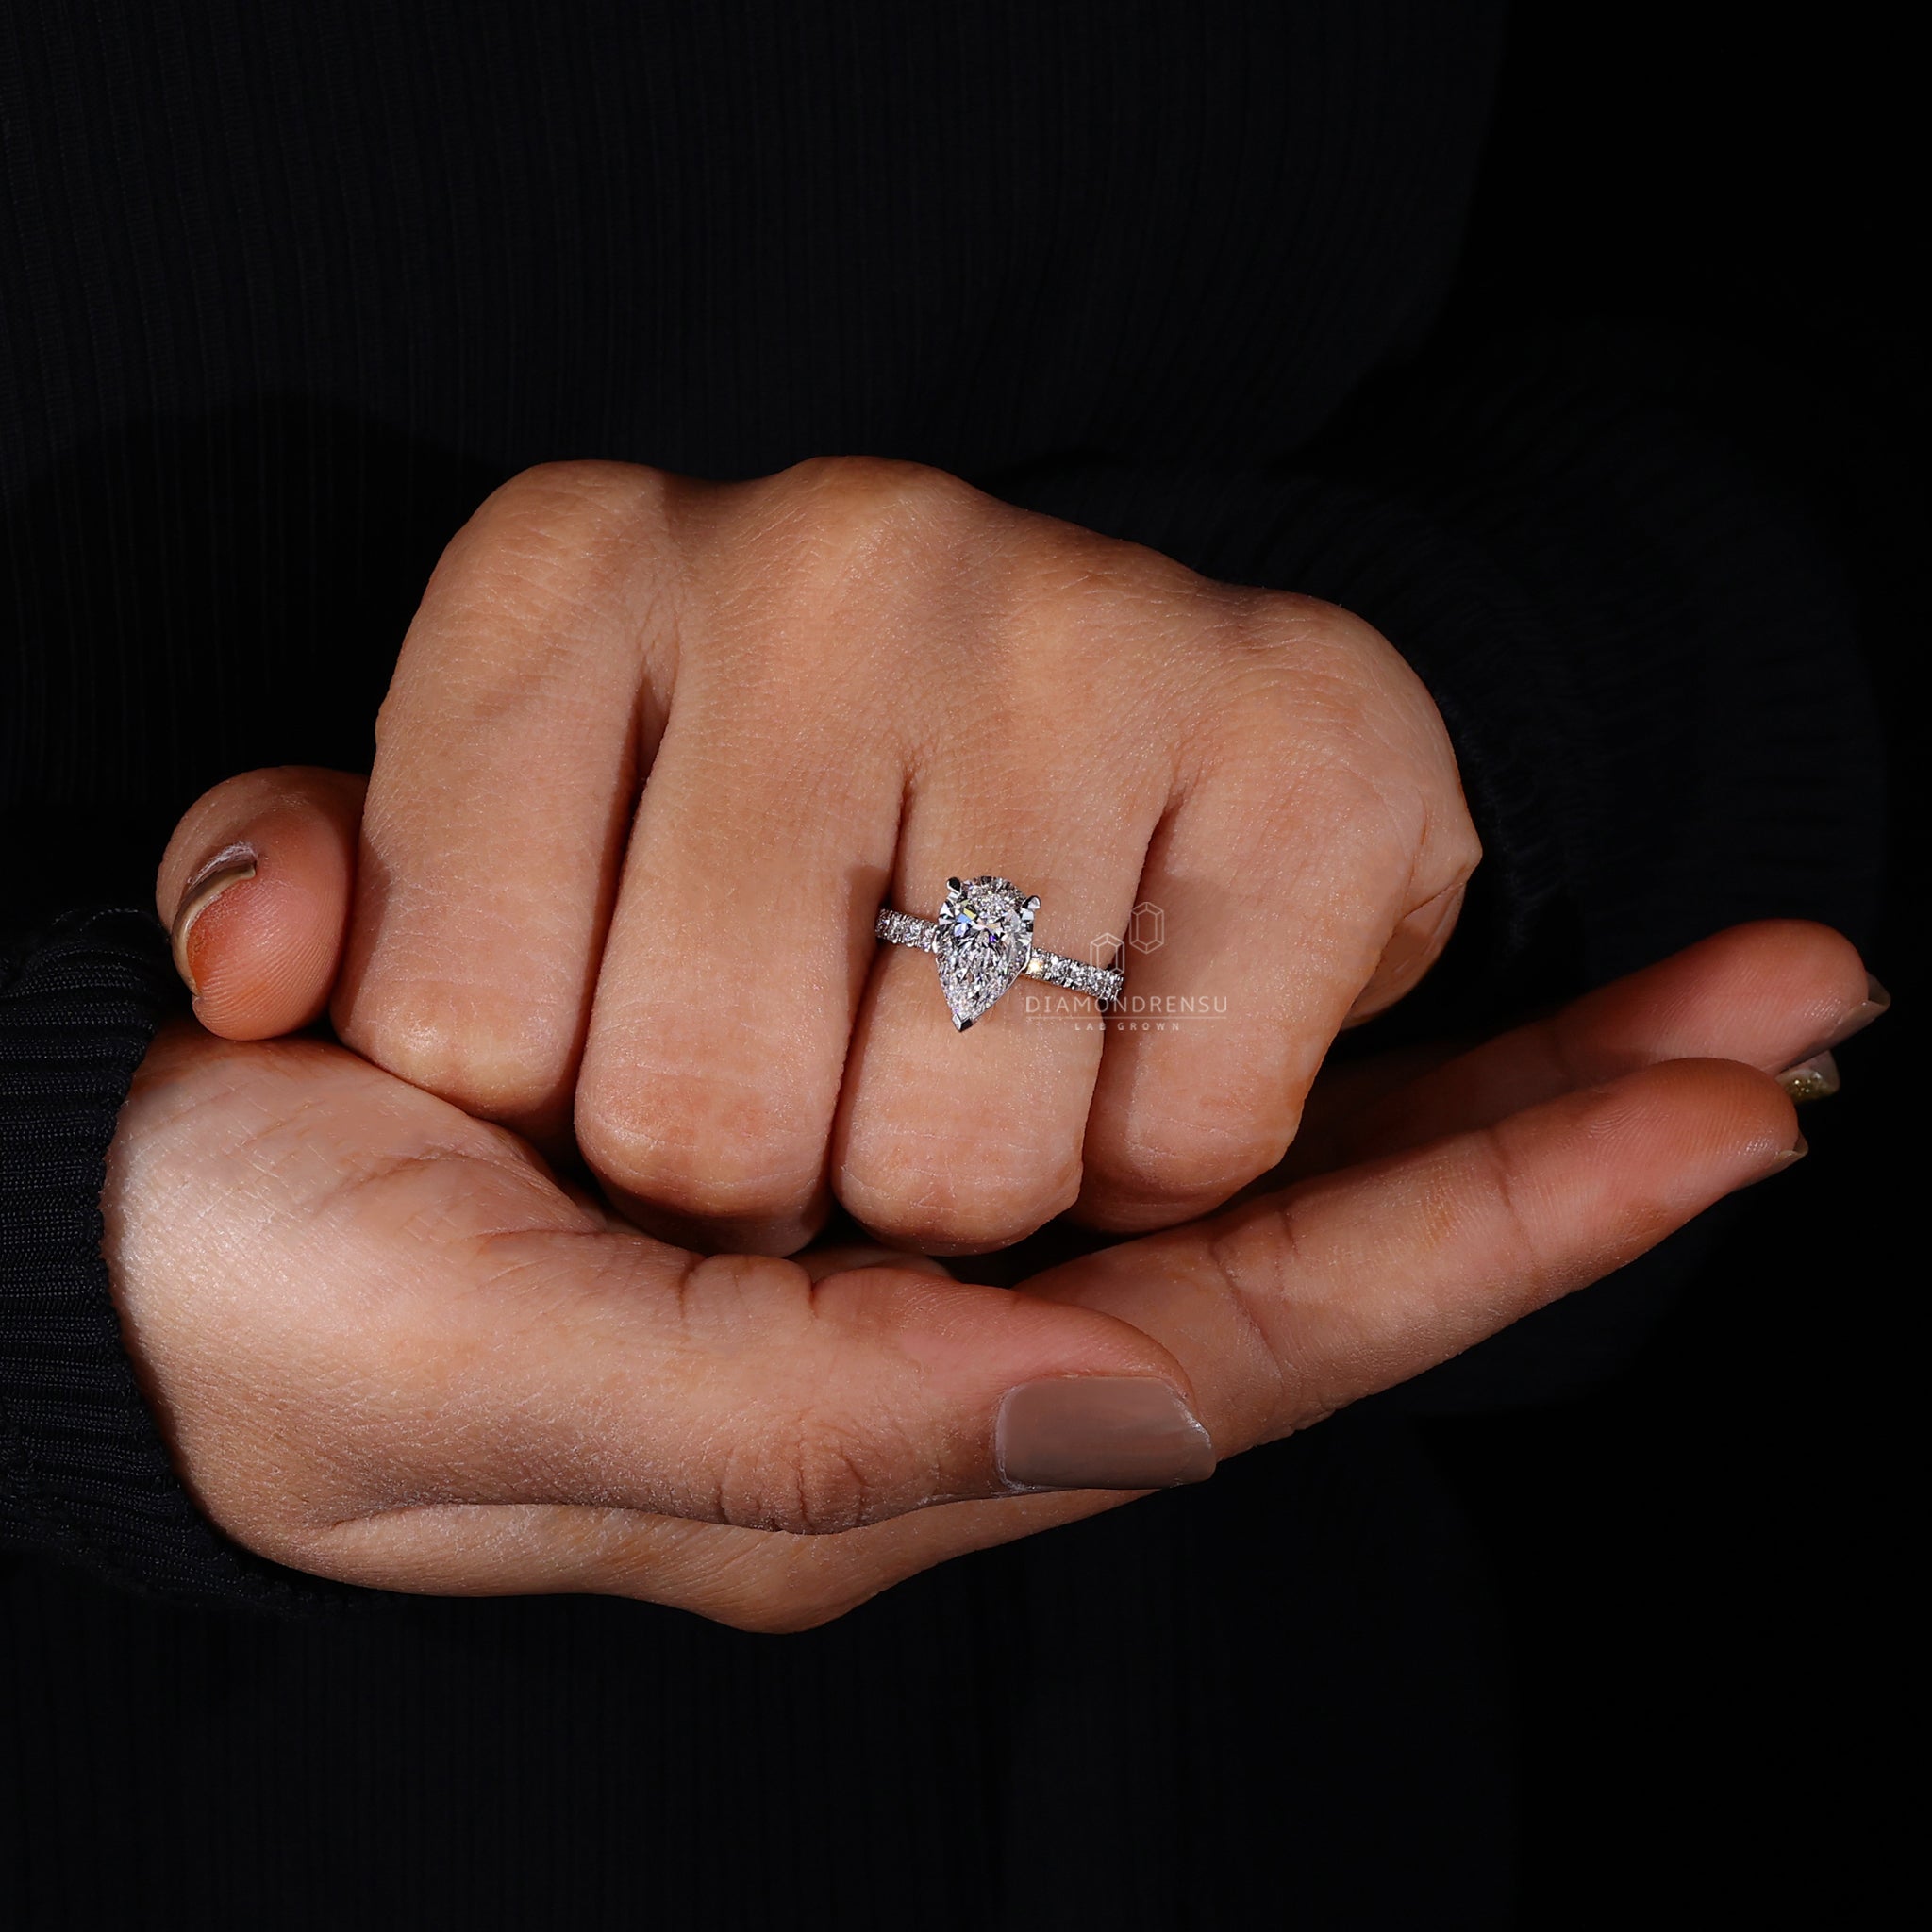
1056, 969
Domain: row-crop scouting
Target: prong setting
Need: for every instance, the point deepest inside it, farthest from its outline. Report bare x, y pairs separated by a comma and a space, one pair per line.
982, 941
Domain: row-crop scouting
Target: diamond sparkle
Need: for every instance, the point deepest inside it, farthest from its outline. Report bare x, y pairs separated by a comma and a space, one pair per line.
984, 941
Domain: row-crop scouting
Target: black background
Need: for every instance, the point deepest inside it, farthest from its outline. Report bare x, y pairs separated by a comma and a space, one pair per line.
1702, 1566
1699, 1569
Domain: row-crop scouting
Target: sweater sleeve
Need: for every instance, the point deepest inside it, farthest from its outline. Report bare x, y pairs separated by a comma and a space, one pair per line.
1647, 664
85, 1476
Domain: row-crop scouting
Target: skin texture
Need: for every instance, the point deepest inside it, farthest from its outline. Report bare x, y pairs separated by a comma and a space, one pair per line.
843, 684
388, 1346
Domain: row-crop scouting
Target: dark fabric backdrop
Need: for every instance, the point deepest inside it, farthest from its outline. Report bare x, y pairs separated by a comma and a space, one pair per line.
1702, 1566
1698, 1566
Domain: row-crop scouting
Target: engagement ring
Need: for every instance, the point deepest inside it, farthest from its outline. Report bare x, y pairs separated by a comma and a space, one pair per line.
983, 942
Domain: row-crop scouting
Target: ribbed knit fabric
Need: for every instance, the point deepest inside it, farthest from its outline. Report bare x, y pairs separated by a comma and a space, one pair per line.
84, 1475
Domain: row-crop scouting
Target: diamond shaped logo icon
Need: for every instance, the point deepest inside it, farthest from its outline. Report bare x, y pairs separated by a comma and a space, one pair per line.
1147, 928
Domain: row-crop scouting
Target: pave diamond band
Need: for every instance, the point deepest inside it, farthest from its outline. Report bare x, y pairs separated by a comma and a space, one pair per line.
983, 942
1103, 982
902, 929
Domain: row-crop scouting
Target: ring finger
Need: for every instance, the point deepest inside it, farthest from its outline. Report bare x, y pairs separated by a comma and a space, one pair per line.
957, 1142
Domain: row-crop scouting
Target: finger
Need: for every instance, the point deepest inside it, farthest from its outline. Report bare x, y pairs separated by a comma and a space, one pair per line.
1752, 991
739, 1390
1771, 995
1414, 946
1288, 1307
742, 933
446, 1327
760, 1580
1289, 877
255, 889
1282, 1312
964, 1141
508, 761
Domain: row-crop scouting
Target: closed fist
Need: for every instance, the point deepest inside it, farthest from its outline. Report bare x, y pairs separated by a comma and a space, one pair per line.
657, 751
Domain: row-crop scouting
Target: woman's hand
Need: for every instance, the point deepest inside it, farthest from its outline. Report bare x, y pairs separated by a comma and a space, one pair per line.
380, 1336
388, 1348
844, 684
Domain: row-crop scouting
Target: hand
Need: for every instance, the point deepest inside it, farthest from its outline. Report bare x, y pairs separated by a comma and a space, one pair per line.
844, 684
388, 1348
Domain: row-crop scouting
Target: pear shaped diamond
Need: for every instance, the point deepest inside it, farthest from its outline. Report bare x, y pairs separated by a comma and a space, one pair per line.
984, 940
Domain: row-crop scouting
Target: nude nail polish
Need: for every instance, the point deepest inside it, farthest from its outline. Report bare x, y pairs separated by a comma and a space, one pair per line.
1873, 1007
1100, 1432
225, 869
1789, 1157
1876, 1002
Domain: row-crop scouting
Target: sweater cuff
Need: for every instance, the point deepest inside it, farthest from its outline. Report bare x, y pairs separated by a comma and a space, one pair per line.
84, 1475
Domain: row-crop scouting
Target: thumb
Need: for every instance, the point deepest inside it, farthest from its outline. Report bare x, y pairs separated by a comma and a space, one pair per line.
254, 889
389, 1350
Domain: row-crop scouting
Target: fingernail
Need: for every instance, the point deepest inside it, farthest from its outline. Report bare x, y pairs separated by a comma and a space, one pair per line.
1789, 1157
1874, 1003
1812, 1080
225, 869
1100, 1432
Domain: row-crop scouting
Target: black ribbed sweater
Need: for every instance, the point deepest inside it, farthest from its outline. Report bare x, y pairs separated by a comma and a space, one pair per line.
283, 294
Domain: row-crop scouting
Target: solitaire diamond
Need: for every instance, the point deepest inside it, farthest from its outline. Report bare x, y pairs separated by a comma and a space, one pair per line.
984, 941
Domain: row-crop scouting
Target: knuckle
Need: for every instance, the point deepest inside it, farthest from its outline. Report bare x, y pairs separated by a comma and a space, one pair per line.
815, 1478
709, 1147
1185, 1162
862, 493
1267, 700
835, 524
1341, 685
1255, 1259
1070, 603
1307, 637
809, 1470
1324, 637
1512, 1235
577, 490
555, 533
1458, 849
492, 1054
959, 1205
814, 1450
1296, 1359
